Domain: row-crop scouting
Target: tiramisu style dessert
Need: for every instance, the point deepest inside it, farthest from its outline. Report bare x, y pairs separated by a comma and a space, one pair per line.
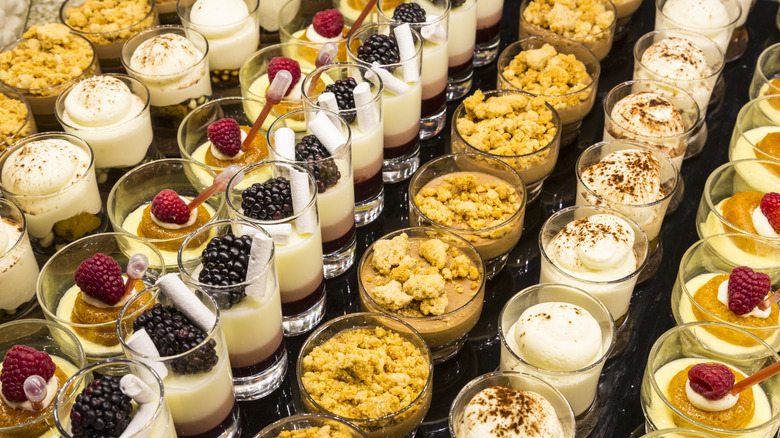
714, 19
18, 268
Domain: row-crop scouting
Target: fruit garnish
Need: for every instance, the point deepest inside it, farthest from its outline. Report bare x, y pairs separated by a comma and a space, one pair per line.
21, 362
343, 90
379, 48
746, 289
169, 208
100, 277
409, 13
280, 63
326, 173
328, 23
225, 135
275, 93
270, 200
101, 410
711, 380
770, 208
225, 262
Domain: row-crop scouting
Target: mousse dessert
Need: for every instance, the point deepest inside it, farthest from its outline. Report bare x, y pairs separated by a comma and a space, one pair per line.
489, 14
714, 19
16, 121
18, 268
223, 146
460, 47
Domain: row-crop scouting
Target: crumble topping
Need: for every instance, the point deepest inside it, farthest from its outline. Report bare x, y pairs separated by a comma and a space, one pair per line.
582, 20
13, 114
314, 432
105, 16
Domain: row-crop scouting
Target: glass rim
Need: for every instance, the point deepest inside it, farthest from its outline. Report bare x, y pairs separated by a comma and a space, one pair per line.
319, 70
402, 62
249, 16
15, 208
605, 33
444, 15
342, 152
677, 430
687, 35
292, 419
743, 112
61, 14
16, 95
660, 10
162, 30
263, 54
760, 62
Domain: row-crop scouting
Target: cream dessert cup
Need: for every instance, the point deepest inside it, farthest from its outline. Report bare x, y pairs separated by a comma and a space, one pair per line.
251, 309
297, 253
201, 402
64, 349
10, 131
489, 14
173, 63
514, 381
18, 267
740, 38
232, 29
715, 19
300, 422
576, 376
460, 48
51, 178
335, 193
682, 347
58, 293
434, 59
755, 121
295, 26
571, 107
400, 106
132, 196
157, 422
767, 70
269, 19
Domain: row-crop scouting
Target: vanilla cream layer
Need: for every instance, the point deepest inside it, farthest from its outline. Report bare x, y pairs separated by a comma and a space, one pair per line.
299, 265
487, 10
229, 52
462, 33
18, 268
64, 311
336, 206
367, 151
726, 248
402, 114
173, 91
434, 68
755, 174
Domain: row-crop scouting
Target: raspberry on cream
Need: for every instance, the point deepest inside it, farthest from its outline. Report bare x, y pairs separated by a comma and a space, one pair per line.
502, 412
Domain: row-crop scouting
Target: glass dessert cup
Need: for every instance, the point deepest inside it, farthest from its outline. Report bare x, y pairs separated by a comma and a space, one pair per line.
295, 19
444, 334
767, 69
64, 349
672, 433
108, 43
492, 243
516, 381
166, 9
740, 38
158, 424
461, 38
624, 11
305, 421
58, 218
335, 200
259, 361
433, 110
18, 267
57, 291
402, 423
134, 192
721, 35
27, 126
533, 167
299, 256
367, 143
579, 387
402, 111
755, 121
571, 107
229, 44
683, 346
488, 31
171, 96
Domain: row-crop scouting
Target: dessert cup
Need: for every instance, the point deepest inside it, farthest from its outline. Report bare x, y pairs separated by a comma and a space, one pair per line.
259, 361
571, 107
673, 433
269, 19
298, 256
102, 27
492, 243
25, 125
57, 291
18, 267
295, 19
434, 60
171, 95
461, 37
166, 9
767, 69
402, 423
720, 34
533, 167
158, 424
740, 38
755, 121
401, 111
17, 15
335, 200
134, 192
64, 349
488, 31
202, 402
624, 11
579, 387
516, 381
305, 421
366, 143
682, 346
445, 334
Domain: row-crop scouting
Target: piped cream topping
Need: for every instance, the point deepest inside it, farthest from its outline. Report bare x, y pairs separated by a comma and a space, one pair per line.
498, 411
705, 404
649, 115
44, 167
630, 176
762, 225
166, 54
676, 58
99, 101
218, 18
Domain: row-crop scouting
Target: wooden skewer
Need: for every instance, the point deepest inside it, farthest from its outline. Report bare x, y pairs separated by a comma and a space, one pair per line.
276, 92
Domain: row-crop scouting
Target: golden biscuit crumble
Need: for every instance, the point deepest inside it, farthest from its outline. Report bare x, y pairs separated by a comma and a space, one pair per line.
314, 432
116, 17
582, 20
13, 113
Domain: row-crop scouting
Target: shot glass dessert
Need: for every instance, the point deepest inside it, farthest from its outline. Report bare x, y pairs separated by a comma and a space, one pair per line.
401, 100
562, 335
460, 47
173, 63
530, 65
488, 31
527, 405
17, 121
512, 126
315, 24
765, 77
246, 290
18, 267
353, 342
715, 19
294, 225
757, 131
493, 196
298, 426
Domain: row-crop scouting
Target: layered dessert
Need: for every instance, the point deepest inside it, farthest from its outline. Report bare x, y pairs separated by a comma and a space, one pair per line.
709, 17
15, 121
761, 142
327, 26
223, 146
18, 268
461, 37
488, 21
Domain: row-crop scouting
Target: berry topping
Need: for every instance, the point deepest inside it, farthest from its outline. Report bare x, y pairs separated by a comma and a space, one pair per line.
711, 380
281, 63
380, 48
770, 207
457, 3
173, 333
169, 208
100, 277
225, 135
344, 97
101, 410
409, 13
21, 362
326, 173
225, 262
268, 201
328, 23
746, 289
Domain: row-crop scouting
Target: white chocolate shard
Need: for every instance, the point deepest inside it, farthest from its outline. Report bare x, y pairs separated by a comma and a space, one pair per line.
136, 389
403, 35
280, 233
284, 143
184, 300
143, 344
327, 100
366, 113
391, 83
327, 133
306, 223
259, 256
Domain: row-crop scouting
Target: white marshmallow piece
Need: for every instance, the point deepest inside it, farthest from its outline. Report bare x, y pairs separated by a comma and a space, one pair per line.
143, 344
280, 233
391, 83
403, 34
366, 113
136, 389
142, 416
327, 133
434, 33
184, 300
327, 100
259, 256
284, 143
299, 185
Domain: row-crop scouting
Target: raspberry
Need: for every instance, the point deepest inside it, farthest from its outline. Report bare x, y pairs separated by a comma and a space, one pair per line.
21, 362
225, 134
100, 277
101, 410
711, 380
281, 63
169, 208
747, 288
770, 207
409, 13
328, 23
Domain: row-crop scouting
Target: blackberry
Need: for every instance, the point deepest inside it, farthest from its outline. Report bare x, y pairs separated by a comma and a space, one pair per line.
457, 3
172, 334
271, 200
101, 410
409, 13
326, 173
380, 48
225, 261
344, 97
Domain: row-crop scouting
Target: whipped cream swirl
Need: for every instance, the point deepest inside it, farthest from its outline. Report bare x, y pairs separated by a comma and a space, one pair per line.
498, 411
630, 177
648, 114
676, 58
